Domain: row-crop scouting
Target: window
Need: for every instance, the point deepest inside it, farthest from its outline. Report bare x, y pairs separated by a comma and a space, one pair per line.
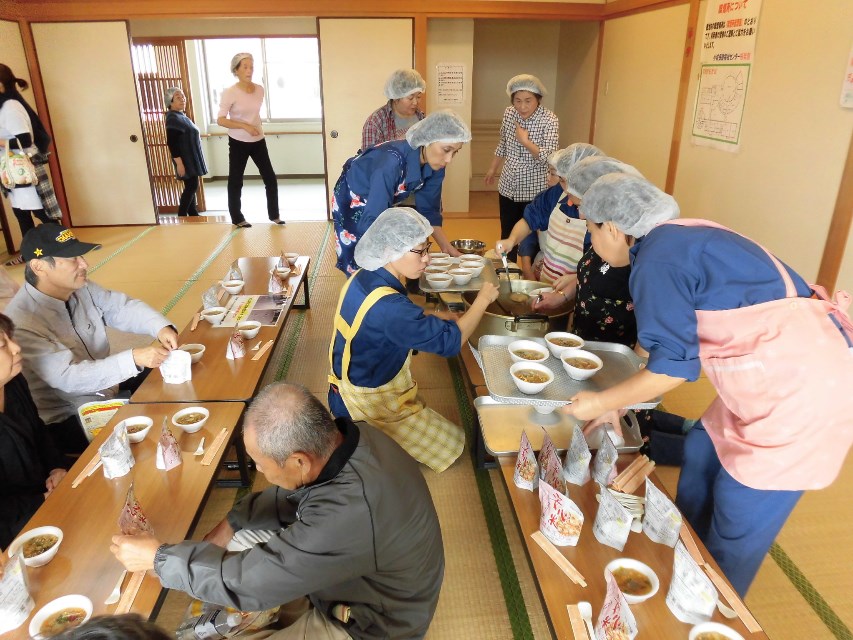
287, 68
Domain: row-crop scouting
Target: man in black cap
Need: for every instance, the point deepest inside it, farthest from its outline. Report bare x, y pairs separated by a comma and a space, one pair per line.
61, 319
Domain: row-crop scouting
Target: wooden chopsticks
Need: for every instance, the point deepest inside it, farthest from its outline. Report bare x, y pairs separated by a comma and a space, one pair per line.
196, 318
578, 625
129, 594
634, 475
262, 350
561, 561
725, 590
214, 448
87, 470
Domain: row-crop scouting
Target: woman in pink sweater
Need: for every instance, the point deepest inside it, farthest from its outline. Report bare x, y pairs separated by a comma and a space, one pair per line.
240, 113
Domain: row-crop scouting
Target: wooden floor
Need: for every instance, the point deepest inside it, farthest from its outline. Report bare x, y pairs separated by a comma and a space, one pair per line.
804, 591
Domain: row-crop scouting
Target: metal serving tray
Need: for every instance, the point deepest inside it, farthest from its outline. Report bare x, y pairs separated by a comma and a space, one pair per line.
502, 424
475, 284
492, 354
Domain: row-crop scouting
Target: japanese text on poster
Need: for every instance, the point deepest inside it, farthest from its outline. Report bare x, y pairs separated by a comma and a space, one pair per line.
451, 83
847, 88
728, 51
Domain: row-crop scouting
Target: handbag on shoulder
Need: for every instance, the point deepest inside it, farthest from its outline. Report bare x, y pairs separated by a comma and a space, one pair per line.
16, 168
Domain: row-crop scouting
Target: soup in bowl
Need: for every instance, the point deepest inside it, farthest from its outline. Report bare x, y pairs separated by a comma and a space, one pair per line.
60, 615
191, 419
137, 427
580, 364
527, 351
196, 351
559, 341
213, 315
635, 580
39, 545
531, 377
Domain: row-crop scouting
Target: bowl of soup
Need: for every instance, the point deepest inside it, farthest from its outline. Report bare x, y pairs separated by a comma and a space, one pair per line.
580, 364
214, 315
60, 615
527, 351
713, 631
559, 341
636, 580
191, 419
433, 269
439, 280
291, 258
233, 286
460, 276
476, 268
531, 377
196, 351
137, 427
439, 256
39, 545
249, 328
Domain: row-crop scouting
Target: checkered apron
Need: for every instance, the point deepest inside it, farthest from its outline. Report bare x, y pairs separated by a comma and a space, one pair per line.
395, 407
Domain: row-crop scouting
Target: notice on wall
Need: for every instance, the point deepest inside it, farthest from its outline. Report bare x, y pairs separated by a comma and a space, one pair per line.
451, 83
847, 88
728, 53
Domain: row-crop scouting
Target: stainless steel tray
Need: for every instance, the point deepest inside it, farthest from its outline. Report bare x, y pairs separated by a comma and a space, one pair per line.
502, 424
475, 284
492, 355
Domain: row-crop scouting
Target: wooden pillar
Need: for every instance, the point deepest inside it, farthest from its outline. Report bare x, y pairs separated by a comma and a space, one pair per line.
839, 227
420, 42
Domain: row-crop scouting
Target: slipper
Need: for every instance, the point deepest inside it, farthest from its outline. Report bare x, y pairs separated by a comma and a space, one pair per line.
19, 259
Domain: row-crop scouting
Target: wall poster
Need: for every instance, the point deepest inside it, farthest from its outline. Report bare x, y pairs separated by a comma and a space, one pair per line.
728, 52
451, 83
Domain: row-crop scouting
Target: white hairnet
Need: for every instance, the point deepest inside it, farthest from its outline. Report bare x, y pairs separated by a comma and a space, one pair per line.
391, 235
632, 203
525, 82
237, 59
402, 83
582, 176
564, 159
168, 96
440, 126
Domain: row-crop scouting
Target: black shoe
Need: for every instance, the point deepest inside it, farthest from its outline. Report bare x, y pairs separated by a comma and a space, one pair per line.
243, 225
278, 221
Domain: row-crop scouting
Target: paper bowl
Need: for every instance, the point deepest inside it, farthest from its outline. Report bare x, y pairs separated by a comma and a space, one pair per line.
433, 269
196, 426
43, 558
196, 351
527, 345
233, 286
249, 328
439, 256
55, 606
137, 421
530, 387
460, 276
291, 258
213, 315
713, 627
283, 272
580, 373
475, 268
557, 350
635, 565
439, 280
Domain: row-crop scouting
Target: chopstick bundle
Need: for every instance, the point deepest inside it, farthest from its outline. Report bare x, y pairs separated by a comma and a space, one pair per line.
634, 475
561, 561
129, 595
87, 470
215, 447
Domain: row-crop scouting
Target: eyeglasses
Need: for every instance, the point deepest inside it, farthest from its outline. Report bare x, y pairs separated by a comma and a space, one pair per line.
422, 252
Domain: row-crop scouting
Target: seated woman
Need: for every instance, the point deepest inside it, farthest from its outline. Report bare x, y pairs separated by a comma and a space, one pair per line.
376, 328
30, 466
388, 174
554, 214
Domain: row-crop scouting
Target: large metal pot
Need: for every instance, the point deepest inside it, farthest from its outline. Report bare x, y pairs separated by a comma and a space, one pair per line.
513, 316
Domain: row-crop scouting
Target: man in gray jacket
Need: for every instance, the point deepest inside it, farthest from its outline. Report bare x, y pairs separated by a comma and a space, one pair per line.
61, 324
349, 522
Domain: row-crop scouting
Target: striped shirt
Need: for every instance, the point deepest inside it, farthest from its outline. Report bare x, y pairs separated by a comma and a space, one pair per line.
523, 175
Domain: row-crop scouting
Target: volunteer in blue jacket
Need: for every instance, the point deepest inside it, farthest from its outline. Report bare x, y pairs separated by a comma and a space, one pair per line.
387, 174
776, 349
376, 328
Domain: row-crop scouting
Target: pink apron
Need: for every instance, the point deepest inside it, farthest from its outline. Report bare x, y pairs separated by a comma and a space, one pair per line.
783, 370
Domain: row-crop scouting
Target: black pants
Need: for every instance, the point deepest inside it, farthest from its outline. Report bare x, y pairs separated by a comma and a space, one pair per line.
25, 218
511, 212
238, 155
188, 206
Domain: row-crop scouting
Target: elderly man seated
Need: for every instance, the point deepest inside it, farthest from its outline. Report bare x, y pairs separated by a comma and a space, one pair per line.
349, 522
61, 319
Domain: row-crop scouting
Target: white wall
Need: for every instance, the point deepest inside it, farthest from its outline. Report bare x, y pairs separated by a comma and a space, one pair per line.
638, 88
452, 40
576, 55
780, 189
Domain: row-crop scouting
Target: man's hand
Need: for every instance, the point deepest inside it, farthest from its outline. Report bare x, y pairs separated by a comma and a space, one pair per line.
168, 337
150, 357
137, 552
221, 534
53, 479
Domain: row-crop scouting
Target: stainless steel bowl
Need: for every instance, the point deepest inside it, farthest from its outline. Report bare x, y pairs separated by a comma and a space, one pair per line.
476, 247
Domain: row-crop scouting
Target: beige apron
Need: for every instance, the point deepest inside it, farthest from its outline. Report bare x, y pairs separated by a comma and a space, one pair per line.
563, 245
394, 407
